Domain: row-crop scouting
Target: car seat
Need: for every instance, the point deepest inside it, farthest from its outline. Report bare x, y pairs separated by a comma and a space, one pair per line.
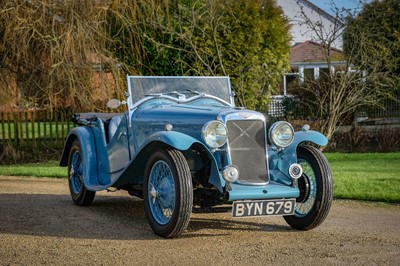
113, 126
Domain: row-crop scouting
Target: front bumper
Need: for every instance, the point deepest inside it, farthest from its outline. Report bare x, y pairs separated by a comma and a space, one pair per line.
271, 191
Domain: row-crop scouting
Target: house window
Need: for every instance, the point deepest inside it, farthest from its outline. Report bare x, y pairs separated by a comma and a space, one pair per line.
309, 73
288, 79
324, 72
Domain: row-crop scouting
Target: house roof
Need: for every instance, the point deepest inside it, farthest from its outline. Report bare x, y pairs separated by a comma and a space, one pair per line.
310, 51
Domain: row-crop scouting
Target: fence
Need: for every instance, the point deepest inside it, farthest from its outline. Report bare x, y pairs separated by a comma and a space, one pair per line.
34, 128
387, 108
281, 106
276, 107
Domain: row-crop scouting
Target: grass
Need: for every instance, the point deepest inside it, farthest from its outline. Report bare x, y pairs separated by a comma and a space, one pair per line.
46, 169
371, 176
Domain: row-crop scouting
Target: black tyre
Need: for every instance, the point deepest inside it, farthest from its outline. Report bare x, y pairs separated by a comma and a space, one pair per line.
168, 193
79, 194
316, 190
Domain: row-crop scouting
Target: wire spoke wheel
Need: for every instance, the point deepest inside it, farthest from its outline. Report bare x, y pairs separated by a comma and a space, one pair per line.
79, 194
316, 190
161, 191
168, 193
76, 174
308, 184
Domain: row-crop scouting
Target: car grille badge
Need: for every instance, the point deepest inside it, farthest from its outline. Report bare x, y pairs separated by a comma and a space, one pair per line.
246, 115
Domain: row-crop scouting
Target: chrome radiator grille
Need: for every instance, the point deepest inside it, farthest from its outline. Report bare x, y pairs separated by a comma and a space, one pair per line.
247, 148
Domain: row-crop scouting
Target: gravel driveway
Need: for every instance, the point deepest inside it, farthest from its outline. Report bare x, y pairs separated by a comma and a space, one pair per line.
39, 225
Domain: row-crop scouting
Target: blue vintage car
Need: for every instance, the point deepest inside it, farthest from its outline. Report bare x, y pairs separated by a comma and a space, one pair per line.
183, 143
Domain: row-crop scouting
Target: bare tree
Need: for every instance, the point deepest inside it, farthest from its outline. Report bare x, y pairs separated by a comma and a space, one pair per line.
344, 89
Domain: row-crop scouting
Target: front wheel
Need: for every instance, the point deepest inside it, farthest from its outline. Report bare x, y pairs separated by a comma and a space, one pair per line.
79, 194
168, 193
316, 190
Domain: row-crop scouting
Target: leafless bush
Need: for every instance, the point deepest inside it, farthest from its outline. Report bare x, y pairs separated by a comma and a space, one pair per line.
53, 53
382, 139
387, 139
8, 153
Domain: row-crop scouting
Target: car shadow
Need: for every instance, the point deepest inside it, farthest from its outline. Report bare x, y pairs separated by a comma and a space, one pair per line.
222, 225
235, 224
109, 217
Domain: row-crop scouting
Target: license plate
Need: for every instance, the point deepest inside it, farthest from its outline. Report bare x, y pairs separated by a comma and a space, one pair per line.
263, 208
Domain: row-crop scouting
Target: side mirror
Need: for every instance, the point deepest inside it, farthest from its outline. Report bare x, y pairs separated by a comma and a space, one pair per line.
114, 103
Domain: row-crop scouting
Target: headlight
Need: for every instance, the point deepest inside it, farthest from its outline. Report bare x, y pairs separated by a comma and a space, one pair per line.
281, 134
215, 134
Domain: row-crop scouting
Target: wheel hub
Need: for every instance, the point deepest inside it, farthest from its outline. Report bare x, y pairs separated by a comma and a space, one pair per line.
71, 172
304, 187
153, 193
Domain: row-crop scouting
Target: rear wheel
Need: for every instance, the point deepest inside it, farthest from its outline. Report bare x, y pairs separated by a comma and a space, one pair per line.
79, 194
168, 193
316, 190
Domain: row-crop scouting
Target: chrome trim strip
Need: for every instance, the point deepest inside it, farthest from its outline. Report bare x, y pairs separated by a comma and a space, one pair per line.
179, 101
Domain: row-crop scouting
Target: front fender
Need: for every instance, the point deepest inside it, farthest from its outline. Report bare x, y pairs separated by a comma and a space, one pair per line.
279, 162
164, 139
174, 139
308, 136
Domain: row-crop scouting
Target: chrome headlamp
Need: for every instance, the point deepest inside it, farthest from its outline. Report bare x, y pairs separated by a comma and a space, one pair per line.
281, 134
215, 134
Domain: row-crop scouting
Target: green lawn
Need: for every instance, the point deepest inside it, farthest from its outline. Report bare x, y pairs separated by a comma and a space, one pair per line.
46, 169
372, 176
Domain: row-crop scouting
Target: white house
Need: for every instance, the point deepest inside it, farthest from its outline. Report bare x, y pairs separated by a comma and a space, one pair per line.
307, 57
300, 31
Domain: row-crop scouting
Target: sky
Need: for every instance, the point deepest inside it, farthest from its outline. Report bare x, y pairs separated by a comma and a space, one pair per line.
326, 4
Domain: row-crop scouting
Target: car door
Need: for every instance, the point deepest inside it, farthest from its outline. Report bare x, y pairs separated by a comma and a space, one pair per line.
118, 145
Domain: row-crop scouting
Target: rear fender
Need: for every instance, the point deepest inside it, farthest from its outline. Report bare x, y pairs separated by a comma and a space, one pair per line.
94, 153
279, 162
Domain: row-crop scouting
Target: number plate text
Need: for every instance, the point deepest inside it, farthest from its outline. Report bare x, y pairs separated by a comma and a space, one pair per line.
263, 208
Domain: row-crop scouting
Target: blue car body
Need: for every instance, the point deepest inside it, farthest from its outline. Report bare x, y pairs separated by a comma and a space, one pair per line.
116, 147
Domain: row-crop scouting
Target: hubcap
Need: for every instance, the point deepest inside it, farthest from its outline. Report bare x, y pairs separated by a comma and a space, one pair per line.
161, 192
153, 194
304, 187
